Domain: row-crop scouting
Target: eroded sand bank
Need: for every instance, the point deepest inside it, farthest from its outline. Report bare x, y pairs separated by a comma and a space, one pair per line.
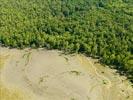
50, 75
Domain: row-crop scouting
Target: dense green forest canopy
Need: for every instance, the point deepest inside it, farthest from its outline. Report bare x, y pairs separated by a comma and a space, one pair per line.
98, 28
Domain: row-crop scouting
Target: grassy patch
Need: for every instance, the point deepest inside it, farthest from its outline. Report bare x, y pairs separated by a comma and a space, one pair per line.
27, 56
75, 72
8, 94
2, 60
104, 82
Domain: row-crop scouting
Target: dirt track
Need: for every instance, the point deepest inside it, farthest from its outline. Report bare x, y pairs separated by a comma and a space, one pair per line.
50, 75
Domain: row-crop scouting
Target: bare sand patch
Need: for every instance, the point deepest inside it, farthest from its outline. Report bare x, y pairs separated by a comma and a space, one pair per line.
50, 75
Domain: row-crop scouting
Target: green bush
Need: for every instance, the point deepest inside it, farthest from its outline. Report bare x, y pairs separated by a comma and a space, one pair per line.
98, 28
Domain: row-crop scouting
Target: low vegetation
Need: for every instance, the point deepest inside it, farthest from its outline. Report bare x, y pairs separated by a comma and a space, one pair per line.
2, 60
98, 28
10, 94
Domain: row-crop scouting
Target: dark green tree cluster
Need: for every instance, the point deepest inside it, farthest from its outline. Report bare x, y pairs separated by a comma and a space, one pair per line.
98, 28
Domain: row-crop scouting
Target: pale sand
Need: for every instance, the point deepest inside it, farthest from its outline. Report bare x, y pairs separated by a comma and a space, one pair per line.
50, 75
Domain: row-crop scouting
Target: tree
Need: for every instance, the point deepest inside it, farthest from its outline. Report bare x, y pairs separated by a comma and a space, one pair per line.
77, 47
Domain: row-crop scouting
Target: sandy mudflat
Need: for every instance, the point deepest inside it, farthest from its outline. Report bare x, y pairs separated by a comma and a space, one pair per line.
50, 75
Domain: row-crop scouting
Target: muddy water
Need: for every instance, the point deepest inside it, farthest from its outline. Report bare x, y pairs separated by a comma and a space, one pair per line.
50, 75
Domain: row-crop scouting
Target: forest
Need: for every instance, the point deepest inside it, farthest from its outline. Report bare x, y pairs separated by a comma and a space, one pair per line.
101, 29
